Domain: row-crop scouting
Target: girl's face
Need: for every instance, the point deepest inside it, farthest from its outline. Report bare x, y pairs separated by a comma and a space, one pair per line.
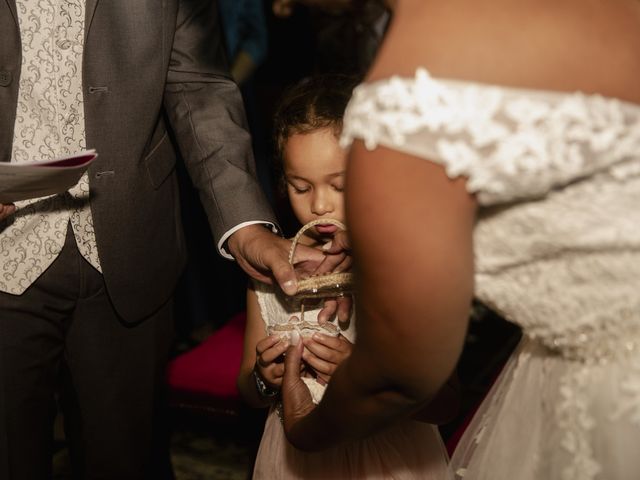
314, 169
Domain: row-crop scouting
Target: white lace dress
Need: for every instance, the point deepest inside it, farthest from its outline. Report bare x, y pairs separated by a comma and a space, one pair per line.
557, 252
410, 450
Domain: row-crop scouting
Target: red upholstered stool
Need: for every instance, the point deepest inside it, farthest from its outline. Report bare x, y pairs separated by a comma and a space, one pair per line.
204, 379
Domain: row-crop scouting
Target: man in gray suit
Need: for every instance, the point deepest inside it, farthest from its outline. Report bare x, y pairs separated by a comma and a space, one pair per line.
86, 277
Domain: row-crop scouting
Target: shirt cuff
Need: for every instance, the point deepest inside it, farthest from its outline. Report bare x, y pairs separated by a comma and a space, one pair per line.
228, 233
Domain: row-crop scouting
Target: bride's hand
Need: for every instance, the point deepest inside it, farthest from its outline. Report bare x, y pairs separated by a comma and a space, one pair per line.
296, 398
338, 259
338, 254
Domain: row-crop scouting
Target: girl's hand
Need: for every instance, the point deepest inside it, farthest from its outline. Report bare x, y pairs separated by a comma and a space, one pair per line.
269, 363
324, 353
6, 210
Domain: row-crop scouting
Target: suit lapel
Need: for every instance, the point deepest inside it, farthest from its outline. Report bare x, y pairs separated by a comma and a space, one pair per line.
12, 7
90, 9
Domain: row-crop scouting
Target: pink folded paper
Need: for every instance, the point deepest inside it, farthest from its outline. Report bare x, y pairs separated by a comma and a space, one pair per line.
41, 178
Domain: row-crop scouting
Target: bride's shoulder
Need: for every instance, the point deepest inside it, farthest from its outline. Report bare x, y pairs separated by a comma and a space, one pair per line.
562, 45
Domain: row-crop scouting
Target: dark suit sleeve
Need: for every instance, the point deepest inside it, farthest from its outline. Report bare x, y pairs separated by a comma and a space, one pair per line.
206, 113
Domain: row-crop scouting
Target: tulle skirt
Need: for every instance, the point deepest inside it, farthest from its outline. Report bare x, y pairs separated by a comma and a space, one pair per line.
410, 450
549, 418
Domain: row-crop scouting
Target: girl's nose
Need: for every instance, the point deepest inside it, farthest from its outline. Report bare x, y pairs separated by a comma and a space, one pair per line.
321, 205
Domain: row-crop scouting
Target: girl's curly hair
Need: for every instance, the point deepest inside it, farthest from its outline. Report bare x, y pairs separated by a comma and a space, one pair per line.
313, 103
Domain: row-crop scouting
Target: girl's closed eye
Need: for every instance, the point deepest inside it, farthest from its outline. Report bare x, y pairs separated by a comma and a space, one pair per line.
298, 189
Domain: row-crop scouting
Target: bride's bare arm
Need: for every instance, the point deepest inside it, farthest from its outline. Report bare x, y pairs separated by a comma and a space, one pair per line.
411, 229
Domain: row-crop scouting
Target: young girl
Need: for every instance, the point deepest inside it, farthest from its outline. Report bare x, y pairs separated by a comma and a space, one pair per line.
307, 126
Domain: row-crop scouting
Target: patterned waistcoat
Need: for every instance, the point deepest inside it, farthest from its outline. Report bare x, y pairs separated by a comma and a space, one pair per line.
49, 123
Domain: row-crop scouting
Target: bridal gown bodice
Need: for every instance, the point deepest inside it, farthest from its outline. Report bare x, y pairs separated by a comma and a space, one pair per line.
557, 252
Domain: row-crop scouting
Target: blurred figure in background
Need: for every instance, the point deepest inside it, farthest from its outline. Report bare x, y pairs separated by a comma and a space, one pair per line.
347, 32
246, 36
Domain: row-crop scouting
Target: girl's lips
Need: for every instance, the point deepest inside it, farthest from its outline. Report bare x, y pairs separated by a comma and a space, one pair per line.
326, 229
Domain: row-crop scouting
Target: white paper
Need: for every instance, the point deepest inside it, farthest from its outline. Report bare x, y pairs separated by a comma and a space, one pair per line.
41, 178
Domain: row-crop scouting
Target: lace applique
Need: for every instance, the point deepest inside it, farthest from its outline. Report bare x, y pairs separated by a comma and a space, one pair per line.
628, 399
510, 143
575, 421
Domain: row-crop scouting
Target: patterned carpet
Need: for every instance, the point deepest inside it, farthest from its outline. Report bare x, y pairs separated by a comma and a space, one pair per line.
214, 451
200, 450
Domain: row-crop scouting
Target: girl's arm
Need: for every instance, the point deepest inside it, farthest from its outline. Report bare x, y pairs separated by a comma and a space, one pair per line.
254, 332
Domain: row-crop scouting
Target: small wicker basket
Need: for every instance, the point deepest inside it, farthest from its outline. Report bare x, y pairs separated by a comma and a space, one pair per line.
326, 285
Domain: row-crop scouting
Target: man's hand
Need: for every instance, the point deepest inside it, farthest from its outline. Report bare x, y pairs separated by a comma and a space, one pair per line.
263, 255
6, 210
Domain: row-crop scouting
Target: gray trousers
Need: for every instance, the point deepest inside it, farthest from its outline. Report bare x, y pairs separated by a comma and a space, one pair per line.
62, 339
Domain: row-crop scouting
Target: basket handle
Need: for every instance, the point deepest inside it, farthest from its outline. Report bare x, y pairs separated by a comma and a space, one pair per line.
312, 223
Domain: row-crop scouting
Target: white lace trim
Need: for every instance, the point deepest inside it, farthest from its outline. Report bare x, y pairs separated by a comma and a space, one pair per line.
576, 423
510, 143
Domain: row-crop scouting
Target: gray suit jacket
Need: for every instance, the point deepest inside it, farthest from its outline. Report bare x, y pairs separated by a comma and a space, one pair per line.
150, 66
